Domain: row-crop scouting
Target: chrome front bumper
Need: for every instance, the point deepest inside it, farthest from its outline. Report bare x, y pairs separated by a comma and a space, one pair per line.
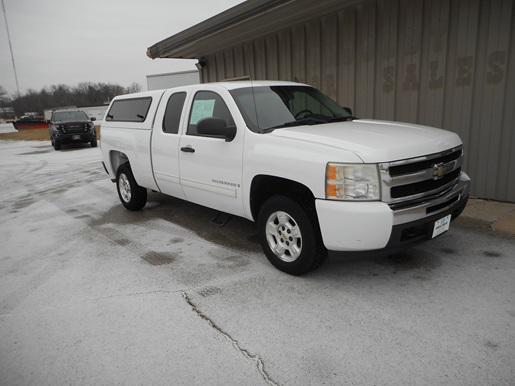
433, 205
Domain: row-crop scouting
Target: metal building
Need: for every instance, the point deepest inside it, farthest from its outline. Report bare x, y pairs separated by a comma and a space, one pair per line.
172, 79
445, 63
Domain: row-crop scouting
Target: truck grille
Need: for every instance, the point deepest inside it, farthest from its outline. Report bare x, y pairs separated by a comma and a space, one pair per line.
75, 128
425, 164
423, 186
418, 179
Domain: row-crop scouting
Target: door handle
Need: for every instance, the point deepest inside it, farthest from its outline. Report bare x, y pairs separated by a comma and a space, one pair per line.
188, 149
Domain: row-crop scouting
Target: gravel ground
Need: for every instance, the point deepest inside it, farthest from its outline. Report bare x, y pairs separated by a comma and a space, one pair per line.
91, 293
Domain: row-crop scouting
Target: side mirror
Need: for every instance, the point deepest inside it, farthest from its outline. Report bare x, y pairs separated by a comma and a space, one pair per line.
349, 110
93, 119
217, 128
48, 121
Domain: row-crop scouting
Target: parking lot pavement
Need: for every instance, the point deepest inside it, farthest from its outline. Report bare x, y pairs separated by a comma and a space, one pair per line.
92, 293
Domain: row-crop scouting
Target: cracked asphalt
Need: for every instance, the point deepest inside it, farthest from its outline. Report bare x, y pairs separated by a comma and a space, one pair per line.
93, 294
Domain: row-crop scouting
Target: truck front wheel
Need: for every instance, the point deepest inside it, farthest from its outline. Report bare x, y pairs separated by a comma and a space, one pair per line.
289, 237
132, 196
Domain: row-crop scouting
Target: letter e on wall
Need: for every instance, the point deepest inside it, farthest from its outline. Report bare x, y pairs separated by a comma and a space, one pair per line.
496, 67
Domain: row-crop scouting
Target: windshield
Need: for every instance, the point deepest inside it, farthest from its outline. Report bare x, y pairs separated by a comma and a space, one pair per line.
265, 108
68, 116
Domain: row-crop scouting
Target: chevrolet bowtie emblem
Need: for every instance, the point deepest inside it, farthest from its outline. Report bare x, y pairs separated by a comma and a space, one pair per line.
439, 170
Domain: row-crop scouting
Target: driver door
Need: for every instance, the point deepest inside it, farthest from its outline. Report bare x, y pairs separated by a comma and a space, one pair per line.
211, 168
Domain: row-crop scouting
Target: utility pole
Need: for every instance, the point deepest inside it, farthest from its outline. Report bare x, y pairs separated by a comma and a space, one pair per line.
11, 48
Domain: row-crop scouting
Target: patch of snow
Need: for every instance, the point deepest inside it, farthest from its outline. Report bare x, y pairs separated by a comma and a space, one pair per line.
7, 128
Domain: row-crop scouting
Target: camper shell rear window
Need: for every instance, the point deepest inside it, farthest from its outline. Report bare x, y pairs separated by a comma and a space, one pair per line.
129, 110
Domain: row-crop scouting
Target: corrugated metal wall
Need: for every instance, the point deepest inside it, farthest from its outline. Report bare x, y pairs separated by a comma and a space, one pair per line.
445, 63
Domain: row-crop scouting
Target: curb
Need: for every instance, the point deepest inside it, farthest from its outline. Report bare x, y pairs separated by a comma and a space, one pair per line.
489, 216
474, 223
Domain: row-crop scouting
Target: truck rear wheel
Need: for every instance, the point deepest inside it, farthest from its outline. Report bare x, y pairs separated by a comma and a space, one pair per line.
132, 196
289, 237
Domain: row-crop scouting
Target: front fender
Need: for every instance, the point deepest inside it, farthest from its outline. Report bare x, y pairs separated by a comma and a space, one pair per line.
299, 161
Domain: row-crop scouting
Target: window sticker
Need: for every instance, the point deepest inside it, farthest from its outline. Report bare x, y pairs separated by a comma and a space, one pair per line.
202, 109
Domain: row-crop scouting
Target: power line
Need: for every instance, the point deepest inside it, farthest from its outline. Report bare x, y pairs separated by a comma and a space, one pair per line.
11, 48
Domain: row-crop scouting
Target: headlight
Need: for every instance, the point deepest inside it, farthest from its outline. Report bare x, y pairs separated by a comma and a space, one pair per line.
352, 182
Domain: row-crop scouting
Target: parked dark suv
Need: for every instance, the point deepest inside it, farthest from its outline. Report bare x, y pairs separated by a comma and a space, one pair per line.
71, 126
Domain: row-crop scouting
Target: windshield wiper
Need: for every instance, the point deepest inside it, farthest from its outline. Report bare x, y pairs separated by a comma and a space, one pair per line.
311, 121
343, 119
303, 121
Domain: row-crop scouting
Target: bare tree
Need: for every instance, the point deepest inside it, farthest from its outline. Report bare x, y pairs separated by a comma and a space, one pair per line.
134, 87
4, 98
84, 94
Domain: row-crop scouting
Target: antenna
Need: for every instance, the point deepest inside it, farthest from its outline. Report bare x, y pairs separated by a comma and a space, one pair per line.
11, 48
254, 98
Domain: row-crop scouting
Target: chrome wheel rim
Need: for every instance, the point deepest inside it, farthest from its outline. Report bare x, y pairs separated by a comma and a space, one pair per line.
125, 187
284, 236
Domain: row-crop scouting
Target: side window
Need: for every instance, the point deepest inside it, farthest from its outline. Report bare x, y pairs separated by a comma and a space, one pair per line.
173, 113
129, 110
207, 104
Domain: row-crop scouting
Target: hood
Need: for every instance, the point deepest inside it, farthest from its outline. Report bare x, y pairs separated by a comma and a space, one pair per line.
375, 141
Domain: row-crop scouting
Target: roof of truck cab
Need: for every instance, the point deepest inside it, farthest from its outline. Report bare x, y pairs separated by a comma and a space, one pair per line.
230, 85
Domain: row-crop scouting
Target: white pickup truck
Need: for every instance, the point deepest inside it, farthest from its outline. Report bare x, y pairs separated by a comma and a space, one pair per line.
312, 176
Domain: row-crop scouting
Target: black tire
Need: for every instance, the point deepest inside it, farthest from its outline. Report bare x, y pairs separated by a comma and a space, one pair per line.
138, 195
94, 143
57, 145
312, 251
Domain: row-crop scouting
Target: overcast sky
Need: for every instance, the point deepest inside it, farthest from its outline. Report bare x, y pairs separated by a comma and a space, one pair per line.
72, 41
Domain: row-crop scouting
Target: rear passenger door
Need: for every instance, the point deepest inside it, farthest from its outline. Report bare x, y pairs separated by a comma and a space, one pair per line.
165, 142
210, 167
